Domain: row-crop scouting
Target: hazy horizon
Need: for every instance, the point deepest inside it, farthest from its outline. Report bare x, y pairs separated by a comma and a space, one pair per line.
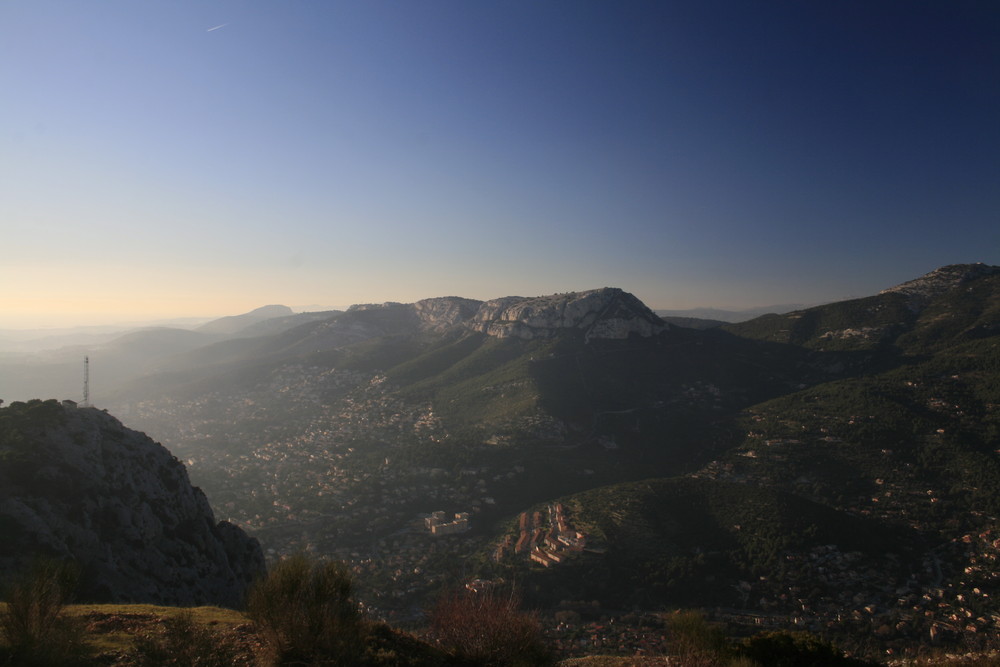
113, 322
197, 159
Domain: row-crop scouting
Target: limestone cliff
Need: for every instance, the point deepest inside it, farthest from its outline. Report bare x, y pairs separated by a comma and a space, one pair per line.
608, 312
445, 312
601, 313
76, 484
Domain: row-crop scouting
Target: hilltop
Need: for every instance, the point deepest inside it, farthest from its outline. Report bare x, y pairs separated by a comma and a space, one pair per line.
949, 305
76, 484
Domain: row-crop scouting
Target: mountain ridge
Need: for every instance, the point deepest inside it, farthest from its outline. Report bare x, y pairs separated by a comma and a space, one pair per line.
940, 280
864, 417
930, 309
607, 312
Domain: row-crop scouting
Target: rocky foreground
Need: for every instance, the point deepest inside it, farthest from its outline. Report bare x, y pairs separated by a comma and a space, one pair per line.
76, 484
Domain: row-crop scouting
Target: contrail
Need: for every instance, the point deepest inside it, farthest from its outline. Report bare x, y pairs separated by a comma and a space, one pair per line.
217, 27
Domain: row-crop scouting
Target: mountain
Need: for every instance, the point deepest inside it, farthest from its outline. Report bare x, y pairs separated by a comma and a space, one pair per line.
14, 342
20, 342
607, 313
234, 323
865, 505
119, 357
689, 322
730, 316
280, 323
832, 468
572, 390
491, 367
114, 362
396, 331
76, 484
601, 314
941, 281
951, 304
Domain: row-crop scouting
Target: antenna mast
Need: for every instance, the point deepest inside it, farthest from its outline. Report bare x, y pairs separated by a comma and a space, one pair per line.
86, 382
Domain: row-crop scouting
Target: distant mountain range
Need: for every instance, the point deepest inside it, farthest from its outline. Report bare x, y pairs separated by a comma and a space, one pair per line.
47, 362
832, 467
728, 316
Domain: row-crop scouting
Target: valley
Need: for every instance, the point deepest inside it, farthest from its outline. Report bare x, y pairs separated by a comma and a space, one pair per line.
833, 469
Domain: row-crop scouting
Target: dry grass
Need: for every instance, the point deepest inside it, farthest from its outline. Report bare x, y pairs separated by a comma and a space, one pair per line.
112, 628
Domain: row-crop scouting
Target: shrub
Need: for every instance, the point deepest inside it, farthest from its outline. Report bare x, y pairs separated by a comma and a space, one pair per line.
742, 661
695, 642
791, 649
387, 647
183, 642
33, 624
488, 629
306, 614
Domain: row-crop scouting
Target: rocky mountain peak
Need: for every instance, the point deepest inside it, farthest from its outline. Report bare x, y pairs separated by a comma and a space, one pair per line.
445, 312
608, 312
76, 484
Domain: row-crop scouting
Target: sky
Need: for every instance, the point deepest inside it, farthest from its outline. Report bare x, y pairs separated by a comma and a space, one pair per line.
205, 157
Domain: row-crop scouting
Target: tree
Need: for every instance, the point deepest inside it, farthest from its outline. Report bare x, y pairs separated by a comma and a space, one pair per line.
488, 628
34, 626
695, 642
306, 613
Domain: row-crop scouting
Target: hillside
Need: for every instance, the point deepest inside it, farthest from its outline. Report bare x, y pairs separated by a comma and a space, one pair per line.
900, 460
831, 468
235, 323
75, 484
699, 542
950, 305
52, 366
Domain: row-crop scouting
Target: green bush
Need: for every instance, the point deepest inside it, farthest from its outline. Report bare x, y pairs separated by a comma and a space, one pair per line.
742, 661
306, 614
795, 649
387, 647
695, 642
488, 629
33, 625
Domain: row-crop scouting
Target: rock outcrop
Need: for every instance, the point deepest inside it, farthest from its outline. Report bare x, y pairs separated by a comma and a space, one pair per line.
445, 312
602, 313
77, 484
608, 312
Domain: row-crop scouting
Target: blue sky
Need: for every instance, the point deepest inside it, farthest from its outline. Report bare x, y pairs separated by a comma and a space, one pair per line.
207, 157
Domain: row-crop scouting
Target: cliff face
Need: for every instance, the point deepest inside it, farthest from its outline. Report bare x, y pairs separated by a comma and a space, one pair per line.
602, 313
75, 483
444, 312
608, 312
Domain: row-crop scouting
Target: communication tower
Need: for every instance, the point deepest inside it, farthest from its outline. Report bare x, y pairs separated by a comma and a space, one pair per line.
86, 382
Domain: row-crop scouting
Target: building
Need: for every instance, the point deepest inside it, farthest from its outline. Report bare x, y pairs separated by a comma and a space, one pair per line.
438, 524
